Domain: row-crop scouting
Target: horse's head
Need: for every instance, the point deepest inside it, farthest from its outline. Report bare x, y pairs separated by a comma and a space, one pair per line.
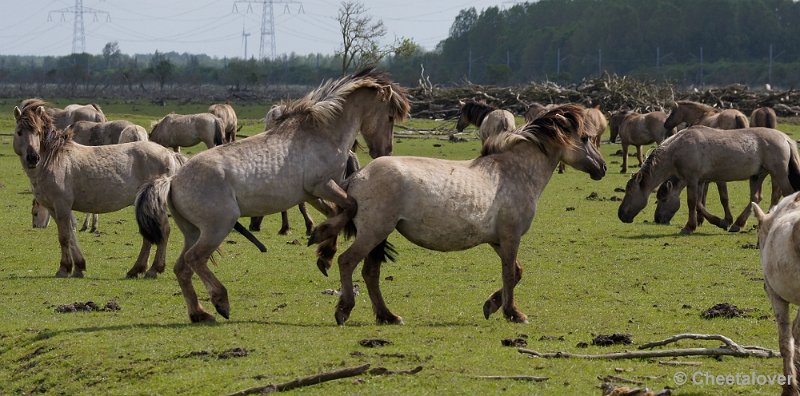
273, 116
614, 123
789, 204
463, 120
377, 123
635, 199
668, 201
579, 150
40, 216
675, 117
32, 124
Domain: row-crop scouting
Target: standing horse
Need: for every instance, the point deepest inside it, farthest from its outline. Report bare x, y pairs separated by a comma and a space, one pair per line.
701, 154
302, 158
133, 133
636, 130
489, 119
764, 117
779, 239
226, 113
68, 176
596, 123
455, 205
695, 113
65, 117
176, 131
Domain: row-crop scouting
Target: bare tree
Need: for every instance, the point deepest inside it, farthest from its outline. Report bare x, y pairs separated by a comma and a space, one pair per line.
360, 36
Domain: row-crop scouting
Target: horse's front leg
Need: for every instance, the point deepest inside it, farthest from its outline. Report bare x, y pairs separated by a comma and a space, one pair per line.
624, 158
325, 234
755, 196
284, 223
692, 192
306, 218
786, 341
71, 257
511, 275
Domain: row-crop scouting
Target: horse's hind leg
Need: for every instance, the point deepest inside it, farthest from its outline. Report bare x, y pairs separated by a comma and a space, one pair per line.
141, 261
85, 225
722, 188
255, 223
197, 258
284, 223
372, 277
755, 196
159, 262
363, 245
703, 213
495, 301
95, 220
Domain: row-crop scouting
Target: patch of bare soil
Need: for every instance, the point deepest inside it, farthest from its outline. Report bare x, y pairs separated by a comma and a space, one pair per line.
518, 342
88, 306
723, 310
226, 354
612, 339
374, 342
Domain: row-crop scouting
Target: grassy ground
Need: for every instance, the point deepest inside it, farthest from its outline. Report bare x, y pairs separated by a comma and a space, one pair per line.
586, 274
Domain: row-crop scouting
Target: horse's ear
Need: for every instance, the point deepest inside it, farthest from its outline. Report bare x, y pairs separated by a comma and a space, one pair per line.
17, 113
41, 111
461, 103
637, 177
758, 212
674, 105
669, 185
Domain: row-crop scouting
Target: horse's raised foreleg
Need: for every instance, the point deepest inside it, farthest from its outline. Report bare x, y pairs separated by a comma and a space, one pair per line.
71, 257
755, 196
786, 341
512, 273
495, 301
306, 217
692, 193
372, 277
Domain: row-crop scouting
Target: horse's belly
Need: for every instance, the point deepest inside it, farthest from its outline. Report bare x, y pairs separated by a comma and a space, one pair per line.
443, 237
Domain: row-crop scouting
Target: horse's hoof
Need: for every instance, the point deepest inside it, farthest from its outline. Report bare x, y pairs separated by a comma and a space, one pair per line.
131, 275
734, 228
517, 317
323, 265
223, 310
150, 275
487, 309
341, 317
686, 231
202, 317
77, 274
254, 229
283, 231
623, 170
389, 320
62, 274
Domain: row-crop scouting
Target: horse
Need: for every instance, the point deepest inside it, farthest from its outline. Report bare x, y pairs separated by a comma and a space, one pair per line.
596, 123
764, 117
300, 159
176, 131
635, 129
226, 113
701, 154
534, 111
68, 176
133, 133
449, 205
668, 201
695, 113
70, 114
489, 119
779, 240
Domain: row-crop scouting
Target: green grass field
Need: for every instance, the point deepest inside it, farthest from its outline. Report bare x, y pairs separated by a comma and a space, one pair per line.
586, 274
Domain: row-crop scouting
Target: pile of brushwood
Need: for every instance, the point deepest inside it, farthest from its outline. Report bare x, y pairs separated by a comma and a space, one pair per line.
610, 92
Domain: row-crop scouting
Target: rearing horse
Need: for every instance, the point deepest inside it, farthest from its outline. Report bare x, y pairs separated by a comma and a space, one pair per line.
301, 159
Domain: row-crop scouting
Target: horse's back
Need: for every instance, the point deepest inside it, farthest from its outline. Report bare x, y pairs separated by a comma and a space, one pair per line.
764, 117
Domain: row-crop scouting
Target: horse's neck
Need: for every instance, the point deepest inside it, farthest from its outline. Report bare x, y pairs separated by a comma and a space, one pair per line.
527, 166
342, 130
659, 173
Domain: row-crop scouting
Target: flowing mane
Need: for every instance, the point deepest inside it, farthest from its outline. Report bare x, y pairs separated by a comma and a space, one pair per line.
554, 125
52, 139
475, 112
652, 159
699, 106
324, 104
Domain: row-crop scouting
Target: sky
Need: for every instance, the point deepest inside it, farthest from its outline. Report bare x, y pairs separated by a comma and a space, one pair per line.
215, 28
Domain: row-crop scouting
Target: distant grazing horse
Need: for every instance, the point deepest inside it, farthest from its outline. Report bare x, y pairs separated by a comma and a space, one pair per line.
455, 205
489, 119
779, 241
176, 131
302, 158
226, 113
133, 133
70, 114
764, 117
67, 176
701, 154
635, 129
535, 110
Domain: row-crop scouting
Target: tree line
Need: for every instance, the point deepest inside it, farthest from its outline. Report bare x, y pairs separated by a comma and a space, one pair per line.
690, 43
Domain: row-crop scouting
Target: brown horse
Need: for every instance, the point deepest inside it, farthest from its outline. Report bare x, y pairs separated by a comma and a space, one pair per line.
489, 119
695, 113
455, 205
226, 113
303, 158
67, 176
700, 154
636, 130
764, 117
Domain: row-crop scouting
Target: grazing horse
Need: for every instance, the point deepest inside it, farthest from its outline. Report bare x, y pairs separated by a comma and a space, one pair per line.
764, 117
68, 176
535, 110
226, 113
455, 205
635, 129
176, 131
700, 154
695, 113
302, 158
65, 117
133, 133
779, 240
489, 119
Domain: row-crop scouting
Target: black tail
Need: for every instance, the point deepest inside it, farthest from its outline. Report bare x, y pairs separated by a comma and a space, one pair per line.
151, 210
741, 121
250, 237
384, 252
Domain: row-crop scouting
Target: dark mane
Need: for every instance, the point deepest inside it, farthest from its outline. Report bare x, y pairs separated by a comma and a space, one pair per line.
475, 112
324, 104
52, 140
701, 106
646, 170
554, 126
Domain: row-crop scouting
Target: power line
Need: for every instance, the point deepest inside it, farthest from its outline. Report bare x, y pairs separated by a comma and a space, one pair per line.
267, 20
78, 31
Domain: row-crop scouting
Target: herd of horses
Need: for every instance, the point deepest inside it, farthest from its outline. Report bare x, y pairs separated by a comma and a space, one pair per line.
77, 160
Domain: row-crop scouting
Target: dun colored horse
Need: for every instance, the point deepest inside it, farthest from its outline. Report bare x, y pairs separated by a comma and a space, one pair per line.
779, 240
299, 160
636, 130
226, 113
65, 117
695, 113
68, 176
489, 119
176, 131
455, 205
764, 117
133, 133
701, 154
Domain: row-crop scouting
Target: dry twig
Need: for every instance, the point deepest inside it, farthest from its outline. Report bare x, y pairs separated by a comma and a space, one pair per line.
305, 381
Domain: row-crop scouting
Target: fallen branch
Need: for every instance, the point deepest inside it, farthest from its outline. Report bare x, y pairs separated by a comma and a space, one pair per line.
615, 379
305, 381
514, 377
730, 349
385, 371
677, 363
